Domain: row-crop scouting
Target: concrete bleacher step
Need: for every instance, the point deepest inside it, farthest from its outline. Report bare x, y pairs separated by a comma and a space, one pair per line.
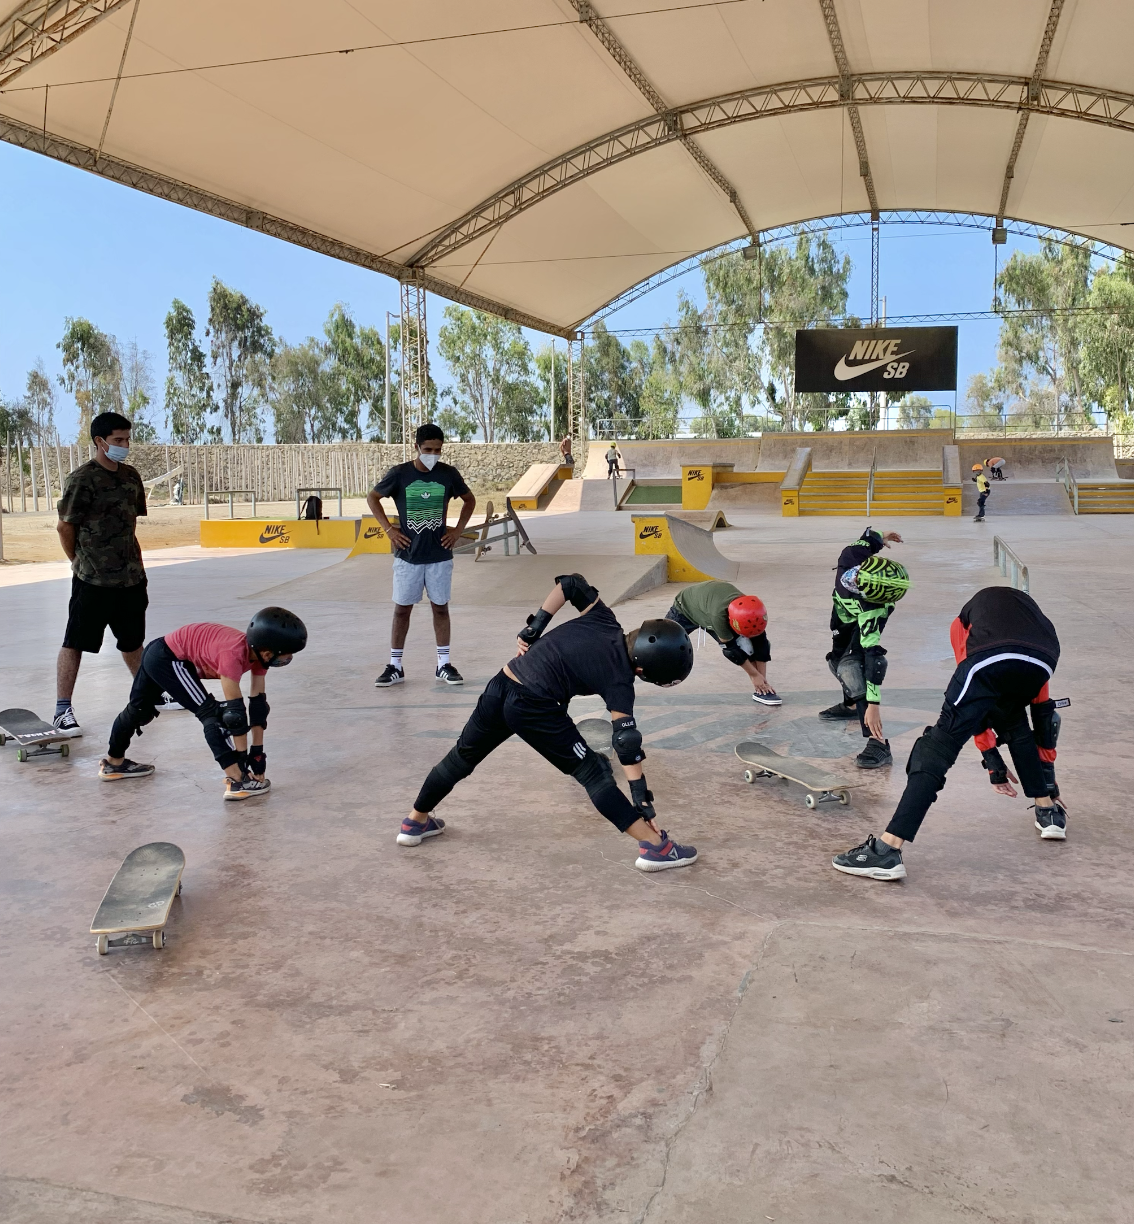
1105, 499
833, 493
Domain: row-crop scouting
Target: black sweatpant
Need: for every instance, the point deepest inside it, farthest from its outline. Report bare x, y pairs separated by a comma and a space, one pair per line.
163, 672
992, 689
505, 709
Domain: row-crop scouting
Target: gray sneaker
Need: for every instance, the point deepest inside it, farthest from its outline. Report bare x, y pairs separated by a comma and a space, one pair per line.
118, 773
1051, 822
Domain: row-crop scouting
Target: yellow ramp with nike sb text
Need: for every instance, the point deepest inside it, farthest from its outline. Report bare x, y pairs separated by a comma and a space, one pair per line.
691, 554
371, 538
278, 533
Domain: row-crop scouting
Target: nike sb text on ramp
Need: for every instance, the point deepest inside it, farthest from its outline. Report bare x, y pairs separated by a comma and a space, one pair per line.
876, 359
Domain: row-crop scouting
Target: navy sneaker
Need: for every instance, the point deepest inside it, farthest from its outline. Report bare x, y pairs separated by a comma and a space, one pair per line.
662, 857
770, 698
127, 769
874, 859
875, 755
1052, 822
838, 711
413, 834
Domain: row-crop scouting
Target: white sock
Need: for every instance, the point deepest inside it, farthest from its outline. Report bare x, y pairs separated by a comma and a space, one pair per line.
396, 658
442, 656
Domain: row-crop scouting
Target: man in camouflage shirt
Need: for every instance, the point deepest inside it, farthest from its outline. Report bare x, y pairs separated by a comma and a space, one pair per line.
97, 514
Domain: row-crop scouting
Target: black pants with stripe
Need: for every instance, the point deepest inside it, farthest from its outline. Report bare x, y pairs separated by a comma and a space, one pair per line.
988, 690
163, 672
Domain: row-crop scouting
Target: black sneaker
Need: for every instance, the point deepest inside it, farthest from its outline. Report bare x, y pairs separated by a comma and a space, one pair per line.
875, 755
127, 769
839, 711
67, 723
874, 859
1052, 822
448, 674
392, 675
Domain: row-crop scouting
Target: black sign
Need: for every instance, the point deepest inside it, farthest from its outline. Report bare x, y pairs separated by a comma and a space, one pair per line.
894, 359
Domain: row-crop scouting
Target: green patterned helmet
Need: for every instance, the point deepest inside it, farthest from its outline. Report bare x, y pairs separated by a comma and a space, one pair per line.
882, 581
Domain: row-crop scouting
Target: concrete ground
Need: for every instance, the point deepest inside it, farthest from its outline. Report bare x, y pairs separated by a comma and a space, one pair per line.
509, 1024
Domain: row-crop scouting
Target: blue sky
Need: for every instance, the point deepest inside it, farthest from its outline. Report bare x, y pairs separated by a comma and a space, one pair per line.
79, 245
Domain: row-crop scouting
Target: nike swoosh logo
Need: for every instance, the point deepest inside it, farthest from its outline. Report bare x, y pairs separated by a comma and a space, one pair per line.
843, 371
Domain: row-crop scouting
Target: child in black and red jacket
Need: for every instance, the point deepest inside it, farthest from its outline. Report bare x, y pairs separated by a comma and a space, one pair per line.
1006, 651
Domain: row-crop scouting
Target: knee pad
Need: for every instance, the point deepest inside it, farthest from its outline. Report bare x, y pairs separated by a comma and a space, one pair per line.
934, 753
140, 714
595, 775
850, 674
1045, 724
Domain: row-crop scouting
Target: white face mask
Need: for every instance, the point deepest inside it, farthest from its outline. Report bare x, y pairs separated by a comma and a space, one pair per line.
428, 461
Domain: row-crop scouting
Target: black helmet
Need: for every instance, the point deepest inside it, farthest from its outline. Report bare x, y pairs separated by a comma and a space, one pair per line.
277, 630
663, 651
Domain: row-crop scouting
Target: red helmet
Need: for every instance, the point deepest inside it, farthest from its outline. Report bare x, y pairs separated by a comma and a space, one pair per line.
748, 616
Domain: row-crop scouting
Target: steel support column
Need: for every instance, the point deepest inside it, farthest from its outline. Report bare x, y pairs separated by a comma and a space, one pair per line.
577, 392
413, 349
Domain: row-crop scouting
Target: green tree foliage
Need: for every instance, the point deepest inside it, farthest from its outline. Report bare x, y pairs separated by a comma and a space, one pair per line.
915, 412
91, 371
241, 345
614, 379
661, 392
706, 368
1108, 345
188, 387
15, 421
304, 405
492, 366
39, 405
551, 362
357, 370
137, 389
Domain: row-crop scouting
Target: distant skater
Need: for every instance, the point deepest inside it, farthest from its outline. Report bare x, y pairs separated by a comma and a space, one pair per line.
423, 544
566, 459
983, 490
737, 622
995, 467
177, 663
613, 459
1006, 652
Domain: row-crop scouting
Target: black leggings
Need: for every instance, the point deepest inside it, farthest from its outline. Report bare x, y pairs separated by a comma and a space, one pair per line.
163, 672
505, 709
985, 691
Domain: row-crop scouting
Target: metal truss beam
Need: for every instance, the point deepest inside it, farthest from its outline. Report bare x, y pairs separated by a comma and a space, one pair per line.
85, 158
641, 82
413, 349
976, 89
845, 89
822, 225
1034, 87
39, 28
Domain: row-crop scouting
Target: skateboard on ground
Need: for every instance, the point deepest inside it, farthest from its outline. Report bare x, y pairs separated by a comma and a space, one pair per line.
136, 905
821, 787
30, 731
597, 733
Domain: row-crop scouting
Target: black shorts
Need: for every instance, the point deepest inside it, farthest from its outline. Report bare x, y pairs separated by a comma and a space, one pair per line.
92, 608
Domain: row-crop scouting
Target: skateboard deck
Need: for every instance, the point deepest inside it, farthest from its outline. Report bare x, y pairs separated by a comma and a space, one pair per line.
30, 731
137, 903
596, 733
820, 786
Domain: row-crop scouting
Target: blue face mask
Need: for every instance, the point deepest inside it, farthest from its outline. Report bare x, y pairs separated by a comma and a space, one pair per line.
117, 454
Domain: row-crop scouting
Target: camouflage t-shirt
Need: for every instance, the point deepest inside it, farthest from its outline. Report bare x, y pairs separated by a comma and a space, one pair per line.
103, 507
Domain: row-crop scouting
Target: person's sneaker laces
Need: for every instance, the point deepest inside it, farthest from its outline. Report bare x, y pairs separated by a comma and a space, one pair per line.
128, 769
875, 755
246, 788
838, 711
448, 674
667, 854
874, 859
770, 698
1052, 822
392, 675
413, 834
67, 723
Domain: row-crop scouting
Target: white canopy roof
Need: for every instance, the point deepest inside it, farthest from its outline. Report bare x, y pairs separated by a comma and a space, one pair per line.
539, 157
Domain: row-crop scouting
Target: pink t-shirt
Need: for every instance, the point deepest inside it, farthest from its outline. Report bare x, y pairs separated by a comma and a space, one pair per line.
214, 650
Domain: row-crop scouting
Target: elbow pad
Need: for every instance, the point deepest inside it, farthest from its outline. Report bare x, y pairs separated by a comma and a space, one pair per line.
577, 590
626, 741
994, 763
733, 653
258, 710
533, 630
233, 716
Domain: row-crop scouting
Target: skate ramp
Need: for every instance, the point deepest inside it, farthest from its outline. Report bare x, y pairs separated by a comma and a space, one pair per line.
494, 581
663, 460
762, 498
1036, 458
690, 552
1018, 497
888, 450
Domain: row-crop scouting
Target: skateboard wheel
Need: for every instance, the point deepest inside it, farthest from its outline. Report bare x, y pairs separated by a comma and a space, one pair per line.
749, 776
809, 800
3, 739
21, 754
178, 892
64, 750
844, 797
159, 939
101, 944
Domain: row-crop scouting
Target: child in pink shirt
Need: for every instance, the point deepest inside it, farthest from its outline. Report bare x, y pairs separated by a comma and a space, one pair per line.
177, 663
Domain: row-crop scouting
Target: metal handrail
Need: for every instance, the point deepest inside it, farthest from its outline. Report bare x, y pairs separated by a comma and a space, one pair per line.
614, 481
870, 481
230, 494
1069, 481
318, 489
1003, 556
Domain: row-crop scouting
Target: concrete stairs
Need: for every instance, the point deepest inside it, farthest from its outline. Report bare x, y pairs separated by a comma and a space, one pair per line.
842, 493
917, 492
1106, 497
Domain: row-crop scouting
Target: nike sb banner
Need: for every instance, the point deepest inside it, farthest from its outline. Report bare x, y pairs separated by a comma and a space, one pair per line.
895, 359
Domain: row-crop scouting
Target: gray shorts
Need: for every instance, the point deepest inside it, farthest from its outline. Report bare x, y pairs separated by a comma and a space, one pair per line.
434, 579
